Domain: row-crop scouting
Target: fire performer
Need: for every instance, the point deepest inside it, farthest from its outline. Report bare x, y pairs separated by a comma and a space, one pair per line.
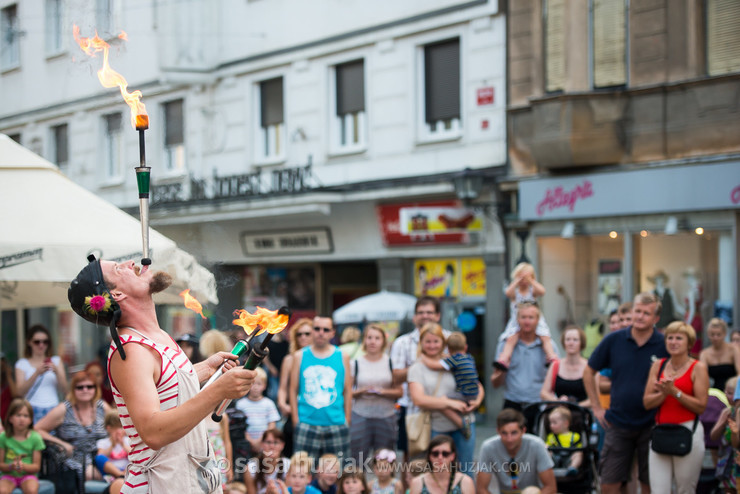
155, 386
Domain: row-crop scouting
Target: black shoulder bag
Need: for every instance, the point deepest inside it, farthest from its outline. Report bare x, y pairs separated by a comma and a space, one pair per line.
672, 439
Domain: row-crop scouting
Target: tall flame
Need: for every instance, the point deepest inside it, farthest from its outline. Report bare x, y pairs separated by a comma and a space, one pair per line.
110, 78
265, 320
192, 303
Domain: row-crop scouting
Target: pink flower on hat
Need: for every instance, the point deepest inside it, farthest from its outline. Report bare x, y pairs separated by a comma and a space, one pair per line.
95, 304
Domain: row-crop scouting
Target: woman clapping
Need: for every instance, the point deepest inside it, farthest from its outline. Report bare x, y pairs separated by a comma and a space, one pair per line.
678, 387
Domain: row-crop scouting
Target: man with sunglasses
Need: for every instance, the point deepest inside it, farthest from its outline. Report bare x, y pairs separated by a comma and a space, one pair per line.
514, 460
321, 394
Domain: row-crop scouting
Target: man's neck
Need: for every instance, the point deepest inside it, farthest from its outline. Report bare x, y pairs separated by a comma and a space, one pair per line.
322, 351
513, 453
528, 337
641, 335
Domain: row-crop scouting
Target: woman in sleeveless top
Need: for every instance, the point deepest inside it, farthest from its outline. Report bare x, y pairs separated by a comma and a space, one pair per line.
442, 476
721, 358
679, 388
78, 424
564, 380
374, 423
40, 376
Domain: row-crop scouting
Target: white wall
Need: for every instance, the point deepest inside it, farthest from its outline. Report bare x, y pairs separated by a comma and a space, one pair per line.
214, 59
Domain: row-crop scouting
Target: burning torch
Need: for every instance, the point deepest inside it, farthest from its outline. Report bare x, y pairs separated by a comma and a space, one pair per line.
109, 78
262, 322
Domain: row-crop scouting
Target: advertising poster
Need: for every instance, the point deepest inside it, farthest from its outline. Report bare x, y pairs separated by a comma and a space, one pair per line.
473, 277
436, 277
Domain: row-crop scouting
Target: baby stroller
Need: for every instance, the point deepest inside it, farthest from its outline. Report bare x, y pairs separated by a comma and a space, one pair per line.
585, 478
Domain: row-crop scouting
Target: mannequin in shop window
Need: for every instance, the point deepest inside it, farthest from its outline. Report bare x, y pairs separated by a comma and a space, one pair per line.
694, 299
670, 305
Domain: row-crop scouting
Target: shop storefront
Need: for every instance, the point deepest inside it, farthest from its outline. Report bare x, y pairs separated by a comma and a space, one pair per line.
600, 239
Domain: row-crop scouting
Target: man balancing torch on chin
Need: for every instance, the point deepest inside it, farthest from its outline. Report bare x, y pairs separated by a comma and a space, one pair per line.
156, 388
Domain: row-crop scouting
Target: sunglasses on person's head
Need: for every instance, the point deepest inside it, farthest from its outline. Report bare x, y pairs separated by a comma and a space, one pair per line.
80, 387
325, 330
435, 453
40, 342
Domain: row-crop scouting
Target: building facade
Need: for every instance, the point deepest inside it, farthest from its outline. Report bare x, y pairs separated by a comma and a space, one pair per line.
623, 130
306, 151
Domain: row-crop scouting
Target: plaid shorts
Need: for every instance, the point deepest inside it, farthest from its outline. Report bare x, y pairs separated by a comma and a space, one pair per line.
317, 440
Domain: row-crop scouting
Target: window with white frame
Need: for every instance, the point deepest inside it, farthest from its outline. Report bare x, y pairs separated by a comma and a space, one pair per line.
272, 125
349, 122
10, 47
54, 19
113, 146
609, 43
174, 136
60, 145
107, 14
442, 89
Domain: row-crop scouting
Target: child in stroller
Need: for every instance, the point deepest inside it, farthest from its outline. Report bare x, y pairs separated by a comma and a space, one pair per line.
566, 429
561, 439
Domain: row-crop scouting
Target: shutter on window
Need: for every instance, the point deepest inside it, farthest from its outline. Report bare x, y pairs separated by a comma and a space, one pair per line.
442, 80
61, 141
723, 36
350, 87
555, 45
173, 122
610, 63
113, 122
271, 93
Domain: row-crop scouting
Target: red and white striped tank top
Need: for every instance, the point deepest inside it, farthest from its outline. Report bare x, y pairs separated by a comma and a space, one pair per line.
171, 359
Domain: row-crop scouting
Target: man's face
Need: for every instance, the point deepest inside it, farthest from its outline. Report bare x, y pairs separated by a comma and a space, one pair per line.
425, 313
323, 331
643, 316
511, 435
128, 278
625, 319
527, 317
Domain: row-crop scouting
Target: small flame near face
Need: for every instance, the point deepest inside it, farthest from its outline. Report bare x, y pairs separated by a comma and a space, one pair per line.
192, 303
110, 78
270, 321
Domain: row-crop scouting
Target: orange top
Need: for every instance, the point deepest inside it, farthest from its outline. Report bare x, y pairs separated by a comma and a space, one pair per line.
671, 411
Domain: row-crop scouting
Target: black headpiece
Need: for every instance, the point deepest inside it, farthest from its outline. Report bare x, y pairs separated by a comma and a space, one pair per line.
91, 300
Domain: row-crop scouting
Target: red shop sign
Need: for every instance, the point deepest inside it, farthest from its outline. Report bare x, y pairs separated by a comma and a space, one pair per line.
390, 227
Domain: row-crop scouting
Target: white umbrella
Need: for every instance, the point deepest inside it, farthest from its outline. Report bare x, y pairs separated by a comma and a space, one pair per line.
50, 224
381, 306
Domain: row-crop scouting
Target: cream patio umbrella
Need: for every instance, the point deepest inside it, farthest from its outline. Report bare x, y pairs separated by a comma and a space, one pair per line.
49, 225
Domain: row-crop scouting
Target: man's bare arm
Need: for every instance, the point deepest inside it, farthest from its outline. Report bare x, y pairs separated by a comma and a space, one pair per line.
135, 379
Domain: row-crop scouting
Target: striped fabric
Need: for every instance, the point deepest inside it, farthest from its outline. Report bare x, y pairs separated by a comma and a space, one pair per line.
167, 388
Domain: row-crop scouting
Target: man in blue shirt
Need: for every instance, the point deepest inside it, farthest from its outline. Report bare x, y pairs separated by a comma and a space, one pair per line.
321, 394
526, 373
629, 353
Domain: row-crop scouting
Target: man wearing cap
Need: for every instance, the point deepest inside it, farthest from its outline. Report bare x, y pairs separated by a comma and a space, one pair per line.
156, 388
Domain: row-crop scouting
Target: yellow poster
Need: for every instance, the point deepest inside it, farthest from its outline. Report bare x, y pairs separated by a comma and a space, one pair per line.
473, 277
437, 277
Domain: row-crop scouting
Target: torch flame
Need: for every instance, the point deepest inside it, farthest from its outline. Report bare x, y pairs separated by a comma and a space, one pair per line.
269, 321
192, 303
110, 78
